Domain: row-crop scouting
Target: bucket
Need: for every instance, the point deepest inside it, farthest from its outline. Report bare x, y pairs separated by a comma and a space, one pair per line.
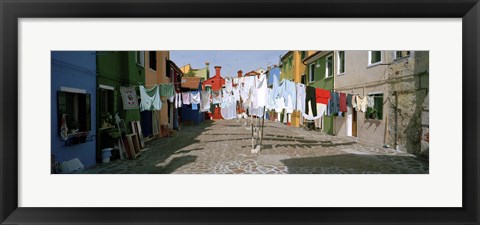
106, 153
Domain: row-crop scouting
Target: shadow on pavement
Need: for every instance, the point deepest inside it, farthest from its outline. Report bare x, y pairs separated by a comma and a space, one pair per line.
351, 163
176, 163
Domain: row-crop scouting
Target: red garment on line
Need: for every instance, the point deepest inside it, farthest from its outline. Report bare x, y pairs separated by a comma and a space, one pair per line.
322, 96
343, 102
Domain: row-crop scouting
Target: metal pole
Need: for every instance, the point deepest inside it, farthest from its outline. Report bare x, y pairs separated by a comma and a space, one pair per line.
263, 122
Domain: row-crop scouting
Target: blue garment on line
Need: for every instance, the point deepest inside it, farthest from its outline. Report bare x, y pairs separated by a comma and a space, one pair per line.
291, 89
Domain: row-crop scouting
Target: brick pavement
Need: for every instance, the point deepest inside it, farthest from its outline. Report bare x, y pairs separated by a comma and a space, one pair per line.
224, 147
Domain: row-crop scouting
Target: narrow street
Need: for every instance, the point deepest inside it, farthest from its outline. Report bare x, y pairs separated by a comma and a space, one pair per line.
224, 147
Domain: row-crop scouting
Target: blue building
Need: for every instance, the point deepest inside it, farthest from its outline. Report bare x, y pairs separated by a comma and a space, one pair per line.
188, 113
73, 109
273, 72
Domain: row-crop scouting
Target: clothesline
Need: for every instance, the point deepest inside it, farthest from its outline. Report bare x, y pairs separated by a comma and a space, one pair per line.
254, 94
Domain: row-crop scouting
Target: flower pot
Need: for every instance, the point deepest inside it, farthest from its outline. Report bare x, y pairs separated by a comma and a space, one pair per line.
106, 153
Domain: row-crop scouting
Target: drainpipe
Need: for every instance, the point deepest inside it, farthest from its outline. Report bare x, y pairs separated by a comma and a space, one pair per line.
396, 120
334, 73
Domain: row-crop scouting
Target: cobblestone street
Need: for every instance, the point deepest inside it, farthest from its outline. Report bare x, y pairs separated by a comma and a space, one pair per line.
224, 147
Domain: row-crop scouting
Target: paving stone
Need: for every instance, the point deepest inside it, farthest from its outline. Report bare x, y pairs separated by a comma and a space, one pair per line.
223, 147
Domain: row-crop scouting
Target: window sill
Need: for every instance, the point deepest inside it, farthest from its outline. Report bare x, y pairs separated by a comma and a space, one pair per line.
374, 64
152, 70
329, 77
138, 64
341, 74
403, 57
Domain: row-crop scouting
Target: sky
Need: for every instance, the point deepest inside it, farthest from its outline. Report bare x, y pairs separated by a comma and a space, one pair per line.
230, 60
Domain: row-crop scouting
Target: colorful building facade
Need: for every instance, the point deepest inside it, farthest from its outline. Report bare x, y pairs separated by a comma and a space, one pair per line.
364, 73
156, 73
73, 89
116, 70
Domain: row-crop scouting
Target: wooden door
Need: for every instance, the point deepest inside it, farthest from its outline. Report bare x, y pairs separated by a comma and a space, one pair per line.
354, 123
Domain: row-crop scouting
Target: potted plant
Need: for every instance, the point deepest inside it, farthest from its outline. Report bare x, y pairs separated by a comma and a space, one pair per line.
107, 120
374, 114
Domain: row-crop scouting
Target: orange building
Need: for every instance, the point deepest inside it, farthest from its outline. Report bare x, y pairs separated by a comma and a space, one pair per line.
156, 73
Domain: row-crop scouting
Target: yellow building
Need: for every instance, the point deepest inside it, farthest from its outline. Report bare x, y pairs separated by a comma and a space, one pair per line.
293, 67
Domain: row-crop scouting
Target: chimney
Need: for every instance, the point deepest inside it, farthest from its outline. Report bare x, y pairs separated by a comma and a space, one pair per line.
217, 70
207, 65
240, 73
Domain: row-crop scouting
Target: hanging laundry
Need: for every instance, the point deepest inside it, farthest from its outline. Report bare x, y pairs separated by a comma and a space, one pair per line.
311, 100
361, 104
186, 98
248, 95
370, 101
171, 99
282, 89
301, 97
343, 102
228, 106
261, 90
195, 97
349, 100
275, 88
150, 98
226, 99
229, 112
334, 103
321, 109
322, 95
257, 112
194, 106
291, 90
290, 105
217, 97
354, 102
166, 90
271, 100
129, 98
236, 93
178, 100
279, 104
228, 84
205, 101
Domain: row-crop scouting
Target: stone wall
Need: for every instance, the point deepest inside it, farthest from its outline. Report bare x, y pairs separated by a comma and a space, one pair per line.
409, 112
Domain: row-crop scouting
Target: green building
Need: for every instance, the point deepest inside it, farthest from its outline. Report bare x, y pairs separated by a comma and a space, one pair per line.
320, 74
116, 69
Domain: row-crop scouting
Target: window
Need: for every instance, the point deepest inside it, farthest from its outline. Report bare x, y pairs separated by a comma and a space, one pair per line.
140, 58
374, 57
400, 54
153, 60
105, 104
303, 54
375, 112
304, 79
290, 62
76, 108
311, 73
341, 62
329, 66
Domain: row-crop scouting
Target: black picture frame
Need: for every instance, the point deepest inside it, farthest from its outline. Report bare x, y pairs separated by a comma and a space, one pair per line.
12, 10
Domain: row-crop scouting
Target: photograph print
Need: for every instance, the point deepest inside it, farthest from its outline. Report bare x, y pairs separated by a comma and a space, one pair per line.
240, 112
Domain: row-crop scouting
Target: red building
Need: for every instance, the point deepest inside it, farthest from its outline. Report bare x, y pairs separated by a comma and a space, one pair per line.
215, 84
